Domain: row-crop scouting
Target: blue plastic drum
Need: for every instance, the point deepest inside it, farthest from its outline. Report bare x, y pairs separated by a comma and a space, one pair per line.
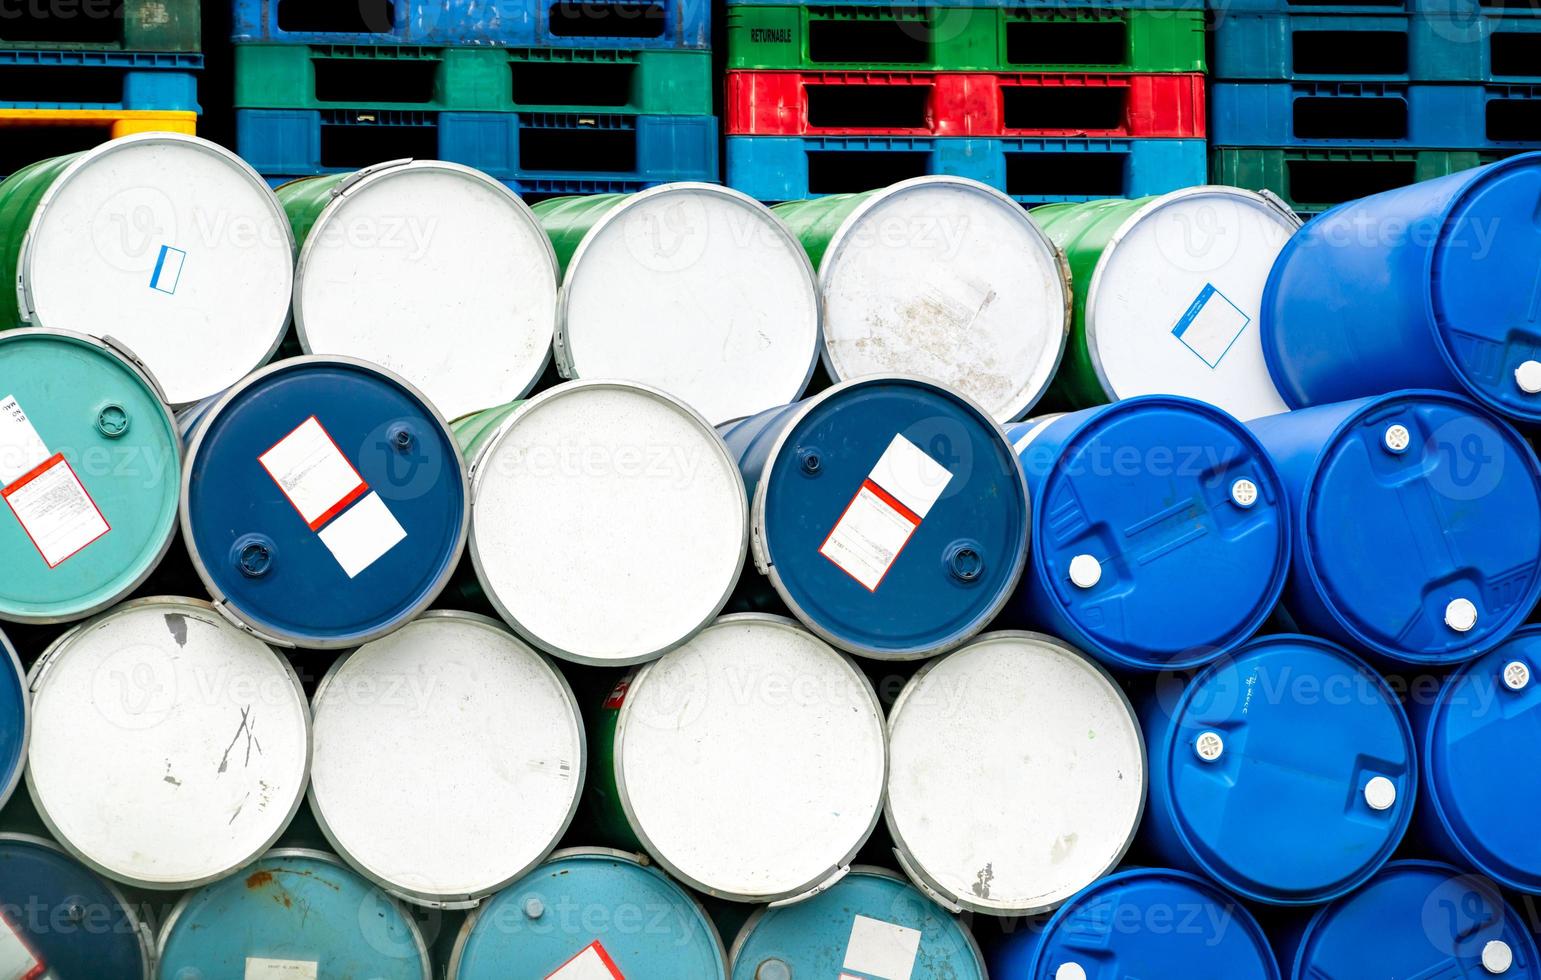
589, 913
1427, 286
889, 514
1285, 772
61, 921
871, 923
1160, 531
1147, 922
1416, 919
15, 720
324, 502
293, 913
1473, 739
1417, 518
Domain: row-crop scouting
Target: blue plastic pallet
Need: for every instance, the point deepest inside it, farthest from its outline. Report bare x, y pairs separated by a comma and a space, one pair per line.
1280, 114
1368, 47
1032, 171
47, 79
1034, 4
551, 23
528, 147
1457, 10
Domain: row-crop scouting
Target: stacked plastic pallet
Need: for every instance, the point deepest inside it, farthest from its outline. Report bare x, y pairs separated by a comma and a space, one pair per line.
1325, 103
1046, 101
549, 96
72, 75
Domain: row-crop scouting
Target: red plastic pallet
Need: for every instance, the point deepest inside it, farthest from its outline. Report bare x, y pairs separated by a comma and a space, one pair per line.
897, 103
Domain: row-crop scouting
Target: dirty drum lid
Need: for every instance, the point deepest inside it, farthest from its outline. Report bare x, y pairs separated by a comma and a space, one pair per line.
437, 272
1046, 750
1172, 307
64, 917
168, 747
871, 921
448, 758
15, 719
294, 914
695, 289
725, 766
609, 522
947, 279
527, 931
174, 246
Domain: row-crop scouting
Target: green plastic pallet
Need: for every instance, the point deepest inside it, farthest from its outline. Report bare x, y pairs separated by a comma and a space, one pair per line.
481, 79
102, 25
965, 38
1313, 180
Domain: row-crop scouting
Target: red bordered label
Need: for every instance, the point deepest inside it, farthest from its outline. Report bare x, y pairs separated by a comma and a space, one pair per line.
55, 511
889, 505
618, 696
592, 963
17, 957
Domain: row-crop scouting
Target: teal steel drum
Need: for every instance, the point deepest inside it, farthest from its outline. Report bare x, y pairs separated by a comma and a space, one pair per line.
293, 915
90, 464
589, 914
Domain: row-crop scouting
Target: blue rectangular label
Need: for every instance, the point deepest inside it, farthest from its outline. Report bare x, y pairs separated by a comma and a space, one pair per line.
168, 269
1209, 327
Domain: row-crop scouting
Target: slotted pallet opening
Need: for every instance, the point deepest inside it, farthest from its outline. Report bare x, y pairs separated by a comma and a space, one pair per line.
363, 145
1516, 53
845, 172
81, 23
21, 146
1514, 119
1071, 42
356, 80
868, 107
599, 19
567, 83
1346, 119
889, 42
1512, 4
594, 150
60, 83
1388, 4
337, 16
1335, 181
1065, 174
1054, 107
1351, 52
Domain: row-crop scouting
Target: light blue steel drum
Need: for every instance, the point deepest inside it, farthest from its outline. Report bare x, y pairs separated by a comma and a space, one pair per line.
589, 914
1160, 531
1432, 285
870, 923
1417, 522
89, 465
293, 913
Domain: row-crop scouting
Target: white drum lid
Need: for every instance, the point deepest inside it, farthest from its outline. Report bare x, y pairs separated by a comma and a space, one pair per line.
438, 273
950, 280
1017, 774
449, 758
168, 747
698, 290
171, 245
609, 522
751, 760
1173, 305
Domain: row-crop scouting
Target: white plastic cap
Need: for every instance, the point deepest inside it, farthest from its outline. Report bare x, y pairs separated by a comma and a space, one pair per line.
1380, 793
1461, 615
1070, 971
1244, 493
1085, 571
1398, 438
1516, 675
1497, 957
1528, 377
1209, 746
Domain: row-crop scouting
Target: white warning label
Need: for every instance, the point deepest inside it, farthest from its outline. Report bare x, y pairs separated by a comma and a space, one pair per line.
888, 507
362, 535
592, 963
881, 949
262, 968
313, 473
21, 449
55, 510
17, 960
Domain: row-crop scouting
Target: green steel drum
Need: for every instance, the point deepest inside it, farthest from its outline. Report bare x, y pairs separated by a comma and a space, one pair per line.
431, 269
694, 289
942, 278
89, 470
1167, 295
168, 243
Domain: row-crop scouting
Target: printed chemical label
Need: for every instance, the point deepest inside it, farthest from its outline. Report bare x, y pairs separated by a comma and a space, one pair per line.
887, 508
22, 450
313, 473
1210, 325
881, 949
168, 269
362, 534
17, 960
260, 968
55, 510
593, 963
